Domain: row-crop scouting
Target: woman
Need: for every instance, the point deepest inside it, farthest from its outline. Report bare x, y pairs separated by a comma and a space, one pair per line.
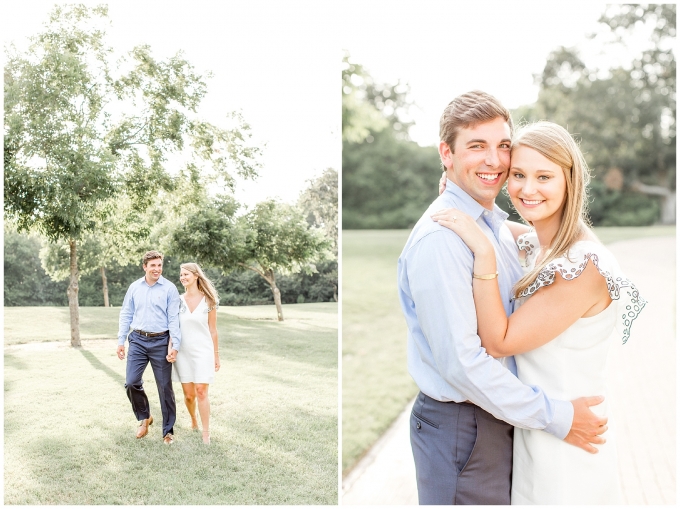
560, 329
198, 357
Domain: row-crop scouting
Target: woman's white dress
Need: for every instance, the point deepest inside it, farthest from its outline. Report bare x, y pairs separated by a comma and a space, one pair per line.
547, 470
196, 357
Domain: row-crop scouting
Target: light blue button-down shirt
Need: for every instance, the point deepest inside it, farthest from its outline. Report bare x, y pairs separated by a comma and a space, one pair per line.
151, 309
445, 356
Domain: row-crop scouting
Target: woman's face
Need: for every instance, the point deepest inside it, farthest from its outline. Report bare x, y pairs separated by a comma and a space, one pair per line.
187, 277
536, 185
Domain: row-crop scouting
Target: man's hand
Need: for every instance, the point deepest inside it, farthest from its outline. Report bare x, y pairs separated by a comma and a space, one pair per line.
586, 427
121, 352
442, 183
172, 356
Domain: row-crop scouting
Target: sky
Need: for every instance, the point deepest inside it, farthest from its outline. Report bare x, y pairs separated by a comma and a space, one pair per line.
445, 48
268, 60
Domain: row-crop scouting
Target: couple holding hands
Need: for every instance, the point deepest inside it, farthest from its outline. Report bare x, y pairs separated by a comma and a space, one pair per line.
169, 330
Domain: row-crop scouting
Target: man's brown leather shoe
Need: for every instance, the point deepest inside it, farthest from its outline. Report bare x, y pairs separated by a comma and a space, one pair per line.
144, 427
168, 439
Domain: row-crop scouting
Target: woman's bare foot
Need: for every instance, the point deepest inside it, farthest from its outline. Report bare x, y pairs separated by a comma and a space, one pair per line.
206, 437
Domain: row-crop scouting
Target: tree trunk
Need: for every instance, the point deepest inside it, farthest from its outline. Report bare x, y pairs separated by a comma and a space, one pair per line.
271, 279
667, 200
277, 301
105, 286
72, 293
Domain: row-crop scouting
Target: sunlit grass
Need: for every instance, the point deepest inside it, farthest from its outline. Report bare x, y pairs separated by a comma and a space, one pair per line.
375, 382
69, 428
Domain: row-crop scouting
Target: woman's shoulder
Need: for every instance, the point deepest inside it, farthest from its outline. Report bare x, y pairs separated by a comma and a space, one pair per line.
574, 263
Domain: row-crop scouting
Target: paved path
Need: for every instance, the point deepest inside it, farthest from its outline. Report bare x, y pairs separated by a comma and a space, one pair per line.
642, 379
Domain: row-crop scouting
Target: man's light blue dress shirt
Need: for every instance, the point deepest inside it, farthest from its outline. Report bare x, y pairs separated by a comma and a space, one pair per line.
445, 356
151, 309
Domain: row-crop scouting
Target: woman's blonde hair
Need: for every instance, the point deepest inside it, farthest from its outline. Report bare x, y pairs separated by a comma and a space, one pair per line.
555, 144
205, 286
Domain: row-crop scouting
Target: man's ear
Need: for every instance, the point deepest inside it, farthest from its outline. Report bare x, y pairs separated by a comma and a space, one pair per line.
445, 155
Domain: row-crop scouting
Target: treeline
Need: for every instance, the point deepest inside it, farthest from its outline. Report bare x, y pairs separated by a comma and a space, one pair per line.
27, 284
624, 119
37, 270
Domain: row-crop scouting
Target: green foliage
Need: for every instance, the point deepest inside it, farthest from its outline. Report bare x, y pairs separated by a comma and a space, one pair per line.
278, 238
369, 107
27, 284
247, 288
620, 208
271, 237
387, 183
25, 281
319, 203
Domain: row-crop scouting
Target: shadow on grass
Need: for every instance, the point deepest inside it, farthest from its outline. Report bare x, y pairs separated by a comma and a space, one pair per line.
290, 461
13, 361
97, 364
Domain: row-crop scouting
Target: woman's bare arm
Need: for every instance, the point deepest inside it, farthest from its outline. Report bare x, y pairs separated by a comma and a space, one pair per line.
544, 316
212, 325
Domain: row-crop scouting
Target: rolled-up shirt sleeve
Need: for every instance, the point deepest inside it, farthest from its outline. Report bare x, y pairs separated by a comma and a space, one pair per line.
443, 339
173, 318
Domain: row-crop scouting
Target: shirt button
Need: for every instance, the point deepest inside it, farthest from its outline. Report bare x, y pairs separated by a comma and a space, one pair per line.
418, 424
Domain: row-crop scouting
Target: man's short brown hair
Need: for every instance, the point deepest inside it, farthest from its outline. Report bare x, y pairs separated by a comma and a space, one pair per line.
468, 110
151, 255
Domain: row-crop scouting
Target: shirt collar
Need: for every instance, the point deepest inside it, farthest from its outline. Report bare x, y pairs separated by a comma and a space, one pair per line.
160, 281
471, 207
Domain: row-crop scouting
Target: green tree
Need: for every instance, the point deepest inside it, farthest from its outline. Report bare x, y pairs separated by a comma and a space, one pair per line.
624, 117
319, 203
76, 135
25, 281
369, 107
271, 238
387, 183
387, 179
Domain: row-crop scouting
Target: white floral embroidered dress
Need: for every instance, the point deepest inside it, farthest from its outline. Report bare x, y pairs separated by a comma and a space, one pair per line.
196, 357
547, 470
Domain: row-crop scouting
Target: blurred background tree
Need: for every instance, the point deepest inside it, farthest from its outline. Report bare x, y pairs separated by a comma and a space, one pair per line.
624, 118
386, 177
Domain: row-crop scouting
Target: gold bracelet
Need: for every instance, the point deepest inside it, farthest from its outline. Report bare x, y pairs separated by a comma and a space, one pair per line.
485, 276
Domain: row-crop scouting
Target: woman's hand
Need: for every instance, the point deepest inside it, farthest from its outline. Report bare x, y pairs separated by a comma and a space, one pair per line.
217, 361
442, 183
466, 228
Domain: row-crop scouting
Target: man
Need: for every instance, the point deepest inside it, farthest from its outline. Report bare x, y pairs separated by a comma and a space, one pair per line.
466, 395
151, 308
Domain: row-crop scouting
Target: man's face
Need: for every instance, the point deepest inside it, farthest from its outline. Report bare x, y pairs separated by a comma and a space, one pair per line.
480, 160
153, 269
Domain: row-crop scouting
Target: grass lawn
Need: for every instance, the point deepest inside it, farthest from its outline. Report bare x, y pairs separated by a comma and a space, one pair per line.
69, 428
375, 383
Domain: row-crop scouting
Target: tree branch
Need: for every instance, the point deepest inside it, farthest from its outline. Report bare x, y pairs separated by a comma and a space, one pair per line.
653, 190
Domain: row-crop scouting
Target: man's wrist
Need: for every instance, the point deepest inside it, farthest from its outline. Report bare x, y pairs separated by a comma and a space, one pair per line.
563, 417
